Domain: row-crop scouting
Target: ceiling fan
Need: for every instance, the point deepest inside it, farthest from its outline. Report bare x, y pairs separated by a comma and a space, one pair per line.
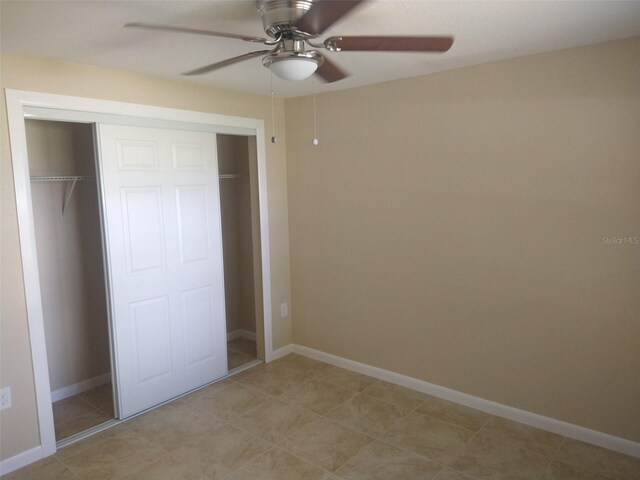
292, 27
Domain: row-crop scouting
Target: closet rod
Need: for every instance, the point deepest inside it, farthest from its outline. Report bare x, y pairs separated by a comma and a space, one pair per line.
229, 175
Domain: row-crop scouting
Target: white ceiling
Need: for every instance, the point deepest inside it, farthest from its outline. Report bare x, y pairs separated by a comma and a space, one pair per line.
91, 32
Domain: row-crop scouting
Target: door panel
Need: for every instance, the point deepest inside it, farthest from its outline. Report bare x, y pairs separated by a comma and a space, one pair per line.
152, 338
191, 157
143, 228
200, 339
137, 156
164, 247
192, 206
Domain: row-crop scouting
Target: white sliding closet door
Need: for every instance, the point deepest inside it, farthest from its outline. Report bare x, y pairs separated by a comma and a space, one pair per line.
164, 244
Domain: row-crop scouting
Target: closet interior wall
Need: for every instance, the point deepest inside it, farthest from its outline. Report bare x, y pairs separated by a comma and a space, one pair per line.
240, 223
70, 258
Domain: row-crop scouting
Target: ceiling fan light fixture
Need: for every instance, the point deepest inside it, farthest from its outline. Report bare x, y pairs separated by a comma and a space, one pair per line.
292, 67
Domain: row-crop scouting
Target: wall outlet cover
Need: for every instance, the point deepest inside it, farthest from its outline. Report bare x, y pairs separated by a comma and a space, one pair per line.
284, 309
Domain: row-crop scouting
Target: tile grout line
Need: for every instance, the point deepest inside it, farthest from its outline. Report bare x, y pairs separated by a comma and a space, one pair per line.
168, 453
270, 445
88, 414
292, 402
517, 447
555, 455
555, 458
318, 466
110, 415
82, 400
476, 432
377, 437
82, 441
309, 377
253, 434
140, 437
341, 465
348, 371
280, 445
213, 394
274, 445
414, 453
245, 463
241, 466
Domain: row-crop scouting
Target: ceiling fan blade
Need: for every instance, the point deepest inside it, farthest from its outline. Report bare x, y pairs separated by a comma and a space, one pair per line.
389, 44
227, 62
329, 71
172, 28
323, 14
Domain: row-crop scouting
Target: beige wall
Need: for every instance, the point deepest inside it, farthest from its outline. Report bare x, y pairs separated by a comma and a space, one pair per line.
449, 227
19, 424
69, 252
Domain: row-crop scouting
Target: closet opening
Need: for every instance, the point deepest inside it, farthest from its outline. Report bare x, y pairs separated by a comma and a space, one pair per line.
240, 214
99, 120
70, 257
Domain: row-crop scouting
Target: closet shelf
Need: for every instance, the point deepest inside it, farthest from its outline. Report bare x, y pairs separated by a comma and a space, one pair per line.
225, 176
60, 178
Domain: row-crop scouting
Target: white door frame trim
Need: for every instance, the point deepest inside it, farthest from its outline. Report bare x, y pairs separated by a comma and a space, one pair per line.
80, 109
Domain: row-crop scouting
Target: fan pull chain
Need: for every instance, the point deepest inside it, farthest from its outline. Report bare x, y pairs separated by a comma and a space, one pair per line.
273, 115
315, 120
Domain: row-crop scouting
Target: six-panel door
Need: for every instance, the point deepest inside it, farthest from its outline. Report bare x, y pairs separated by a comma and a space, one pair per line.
164, 248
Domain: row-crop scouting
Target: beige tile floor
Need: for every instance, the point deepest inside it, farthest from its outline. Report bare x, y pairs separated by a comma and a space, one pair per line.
301, 419
83, 411
86, 410
240, 351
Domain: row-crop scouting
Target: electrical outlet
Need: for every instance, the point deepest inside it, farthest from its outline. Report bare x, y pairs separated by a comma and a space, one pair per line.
284, 309
5, 398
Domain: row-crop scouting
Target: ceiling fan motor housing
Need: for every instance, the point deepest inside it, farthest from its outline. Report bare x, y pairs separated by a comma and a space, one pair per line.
279, 16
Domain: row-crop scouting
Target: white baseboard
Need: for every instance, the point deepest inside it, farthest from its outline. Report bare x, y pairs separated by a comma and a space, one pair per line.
560, 427
544, 423
282, 352
241, 333
248, 335
76, 388
20, 460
